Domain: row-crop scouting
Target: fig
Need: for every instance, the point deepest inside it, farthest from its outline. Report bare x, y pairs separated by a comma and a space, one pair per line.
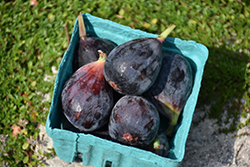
172, 88
132, 67
87, 48
87, 99
160, 145
134, 121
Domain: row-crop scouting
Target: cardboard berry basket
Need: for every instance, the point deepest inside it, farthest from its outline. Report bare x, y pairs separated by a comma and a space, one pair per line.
71, 144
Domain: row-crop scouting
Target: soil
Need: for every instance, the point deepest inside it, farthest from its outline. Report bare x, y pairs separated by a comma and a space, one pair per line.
207, 147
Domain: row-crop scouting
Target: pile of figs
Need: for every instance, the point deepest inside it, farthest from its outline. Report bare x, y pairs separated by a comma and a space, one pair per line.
132, 93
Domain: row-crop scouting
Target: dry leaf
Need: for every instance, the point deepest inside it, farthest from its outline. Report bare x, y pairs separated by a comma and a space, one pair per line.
121, 12
33, 2
25, 94
15, 130
34, 115
132, 25
154, 21
119, 16
146, 25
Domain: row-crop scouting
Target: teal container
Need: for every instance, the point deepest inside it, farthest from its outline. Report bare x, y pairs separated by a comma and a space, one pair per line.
99, 152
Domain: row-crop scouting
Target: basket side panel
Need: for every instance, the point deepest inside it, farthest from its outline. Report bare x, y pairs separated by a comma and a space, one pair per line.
64, 141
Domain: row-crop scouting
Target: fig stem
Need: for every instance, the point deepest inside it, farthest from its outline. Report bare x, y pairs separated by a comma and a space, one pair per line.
82, 30
157, 144
165, 33
102, 56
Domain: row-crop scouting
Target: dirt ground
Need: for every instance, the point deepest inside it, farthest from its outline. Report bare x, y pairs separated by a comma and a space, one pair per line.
207, 147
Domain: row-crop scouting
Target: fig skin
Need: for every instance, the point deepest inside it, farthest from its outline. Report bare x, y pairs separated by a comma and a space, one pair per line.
134, 121
87, 48
160, 145
132, 67
171, 88
87, 99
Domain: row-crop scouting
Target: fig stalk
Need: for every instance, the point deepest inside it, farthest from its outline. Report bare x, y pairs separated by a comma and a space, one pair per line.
82, 30
165, 33
102, 56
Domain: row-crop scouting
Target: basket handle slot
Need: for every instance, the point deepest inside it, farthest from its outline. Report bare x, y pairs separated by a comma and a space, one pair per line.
107, 164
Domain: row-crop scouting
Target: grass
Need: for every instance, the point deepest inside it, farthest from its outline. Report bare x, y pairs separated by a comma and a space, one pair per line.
33, 39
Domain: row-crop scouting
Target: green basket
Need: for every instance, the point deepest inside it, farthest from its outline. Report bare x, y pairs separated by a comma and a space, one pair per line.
97, 151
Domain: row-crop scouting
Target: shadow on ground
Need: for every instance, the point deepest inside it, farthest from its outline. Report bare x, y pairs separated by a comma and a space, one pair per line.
223, 86
212, 141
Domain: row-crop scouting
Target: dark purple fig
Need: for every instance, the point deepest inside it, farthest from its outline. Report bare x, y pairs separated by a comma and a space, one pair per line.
87, 48
87, 99
134, 121
132, 67
160, 145
172, 88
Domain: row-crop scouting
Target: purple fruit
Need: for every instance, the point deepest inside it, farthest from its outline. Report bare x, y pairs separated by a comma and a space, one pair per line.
87, 99
172, 87
161, 144
87, 48
132, 67
134, 121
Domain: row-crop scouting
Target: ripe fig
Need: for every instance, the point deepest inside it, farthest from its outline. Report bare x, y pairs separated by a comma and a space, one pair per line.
160, 145
87, 99
87, 48
134, 121
132, 67
172, 88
